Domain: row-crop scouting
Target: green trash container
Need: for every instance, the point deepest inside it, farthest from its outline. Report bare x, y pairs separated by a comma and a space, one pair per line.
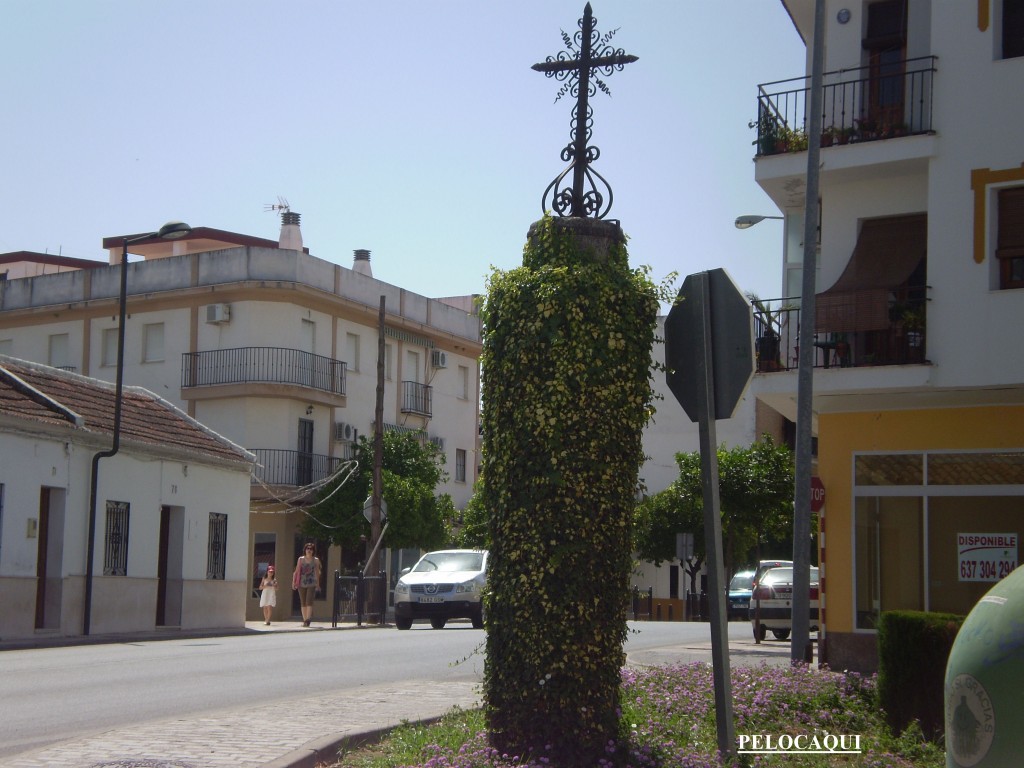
984, 685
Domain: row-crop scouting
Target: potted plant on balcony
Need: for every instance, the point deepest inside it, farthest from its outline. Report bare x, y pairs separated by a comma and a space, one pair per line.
792, 139
867, 128
768, 324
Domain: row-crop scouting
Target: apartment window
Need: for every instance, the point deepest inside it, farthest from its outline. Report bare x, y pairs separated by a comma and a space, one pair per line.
108, 347
57, 350
308, 334
352, 351
115, 539
217, 555
463, 382
153, 343
1013, 28
460, 465
1010, 237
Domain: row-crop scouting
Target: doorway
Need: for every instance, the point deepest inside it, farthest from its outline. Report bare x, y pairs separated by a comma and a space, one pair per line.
170, 567
49, 558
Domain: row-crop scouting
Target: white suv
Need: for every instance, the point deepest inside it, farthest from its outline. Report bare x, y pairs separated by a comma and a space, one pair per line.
442, 585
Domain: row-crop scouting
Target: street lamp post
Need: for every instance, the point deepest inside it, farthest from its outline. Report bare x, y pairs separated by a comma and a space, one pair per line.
172, 230
749, 220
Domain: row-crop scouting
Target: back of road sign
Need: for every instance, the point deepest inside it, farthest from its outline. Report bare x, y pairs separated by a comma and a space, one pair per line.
732, 344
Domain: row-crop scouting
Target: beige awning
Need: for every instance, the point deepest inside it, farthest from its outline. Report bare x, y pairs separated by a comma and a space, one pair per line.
888, 251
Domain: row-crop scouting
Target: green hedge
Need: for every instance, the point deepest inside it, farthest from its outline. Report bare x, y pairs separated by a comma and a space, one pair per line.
566, 394
913, 647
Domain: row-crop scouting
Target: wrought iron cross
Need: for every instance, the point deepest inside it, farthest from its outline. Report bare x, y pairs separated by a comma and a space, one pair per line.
589, 55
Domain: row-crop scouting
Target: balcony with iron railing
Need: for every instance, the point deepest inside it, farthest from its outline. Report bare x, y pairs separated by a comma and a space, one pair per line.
278, 467
417, 398
839, 339
262, 365
858, 105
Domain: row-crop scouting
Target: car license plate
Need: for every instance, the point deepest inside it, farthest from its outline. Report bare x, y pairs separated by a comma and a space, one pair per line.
424, 599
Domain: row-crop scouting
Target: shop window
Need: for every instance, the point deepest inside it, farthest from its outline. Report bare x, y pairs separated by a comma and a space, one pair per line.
889, 469
889, 557
961, 567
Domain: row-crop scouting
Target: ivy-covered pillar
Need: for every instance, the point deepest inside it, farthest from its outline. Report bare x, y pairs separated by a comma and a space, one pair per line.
566, 394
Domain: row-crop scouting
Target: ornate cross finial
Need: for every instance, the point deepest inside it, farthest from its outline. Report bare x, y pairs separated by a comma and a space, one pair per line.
588, 56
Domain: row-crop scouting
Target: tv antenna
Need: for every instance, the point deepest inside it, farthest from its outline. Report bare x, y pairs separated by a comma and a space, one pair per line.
280, 205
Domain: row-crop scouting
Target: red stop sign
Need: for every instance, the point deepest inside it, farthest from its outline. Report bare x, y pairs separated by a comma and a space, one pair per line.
817, 494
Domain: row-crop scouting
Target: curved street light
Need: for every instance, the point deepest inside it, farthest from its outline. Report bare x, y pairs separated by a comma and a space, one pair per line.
750, 219
172, 230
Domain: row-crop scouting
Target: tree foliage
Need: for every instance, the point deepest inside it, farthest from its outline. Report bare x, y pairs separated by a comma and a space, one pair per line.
756, 496
566, 394
472, 532
411, 469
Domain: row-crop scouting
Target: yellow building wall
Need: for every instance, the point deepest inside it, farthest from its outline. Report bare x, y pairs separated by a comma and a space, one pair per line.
841, 435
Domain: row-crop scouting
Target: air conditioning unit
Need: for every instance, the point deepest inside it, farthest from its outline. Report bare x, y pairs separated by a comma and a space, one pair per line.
218, 313
439, 358
344, 433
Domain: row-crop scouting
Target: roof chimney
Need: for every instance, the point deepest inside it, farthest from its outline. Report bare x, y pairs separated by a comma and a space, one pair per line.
361, 262
291, 235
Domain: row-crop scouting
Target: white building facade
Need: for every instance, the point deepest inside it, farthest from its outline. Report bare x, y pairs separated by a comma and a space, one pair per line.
918, 388
171, 514
272, 347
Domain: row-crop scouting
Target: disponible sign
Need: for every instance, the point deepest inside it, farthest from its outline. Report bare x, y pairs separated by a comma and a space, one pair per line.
986, 556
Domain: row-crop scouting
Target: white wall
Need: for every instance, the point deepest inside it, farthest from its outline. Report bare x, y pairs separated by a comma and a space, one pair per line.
146, 482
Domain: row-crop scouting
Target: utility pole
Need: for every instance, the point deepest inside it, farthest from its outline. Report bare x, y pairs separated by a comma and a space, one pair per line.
800, 643
373, 566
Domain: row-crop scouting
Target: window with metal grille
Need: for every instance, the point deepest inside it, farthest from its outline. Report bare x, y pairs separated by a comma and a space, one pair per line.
460, 465
115, 539
217, 555
1010, 246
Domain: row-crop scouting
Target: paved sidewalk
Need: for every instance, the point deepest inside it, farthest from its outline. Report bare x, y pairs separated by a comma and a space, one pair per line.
235, 739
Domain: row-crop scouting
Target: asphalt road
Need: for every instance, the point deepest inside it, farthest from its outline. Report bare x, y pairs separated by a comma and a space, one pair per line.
56, 694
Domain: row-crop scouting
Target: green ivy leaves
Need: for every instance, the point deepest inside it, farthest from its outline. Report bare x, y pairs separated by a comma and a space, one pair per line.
566, 395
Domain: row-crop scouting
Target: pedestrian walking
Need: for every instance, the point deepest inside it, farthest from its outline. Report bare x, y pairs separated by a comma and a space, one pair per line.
268, 593
306, 580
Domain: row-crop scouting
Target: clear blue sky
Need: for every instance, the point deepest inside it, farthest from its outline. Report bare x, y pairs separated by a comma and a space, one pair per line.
416, 130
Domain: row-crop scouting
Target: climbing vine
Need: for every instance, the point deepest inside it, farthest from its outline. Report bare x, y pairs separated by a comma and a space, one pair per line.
566, 395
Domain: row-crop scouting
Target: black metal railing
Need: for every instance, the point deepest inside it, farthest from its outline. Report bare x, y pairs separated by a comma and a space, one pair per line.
276, 466
268, 365
903, 340
858, 105
356, 597
417, 398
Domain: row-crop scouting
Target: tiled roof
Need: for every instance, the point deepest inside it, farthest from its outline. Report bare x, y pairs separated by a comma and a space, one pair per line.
44, 394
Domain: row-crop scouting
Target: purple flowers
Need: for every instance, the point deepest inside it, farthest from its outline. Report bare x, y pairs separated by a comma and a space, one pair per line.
668, 721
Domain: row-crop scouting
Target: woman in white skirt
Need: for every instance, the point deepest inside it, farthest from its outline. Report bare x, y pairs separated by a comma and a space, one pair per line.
268, 596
